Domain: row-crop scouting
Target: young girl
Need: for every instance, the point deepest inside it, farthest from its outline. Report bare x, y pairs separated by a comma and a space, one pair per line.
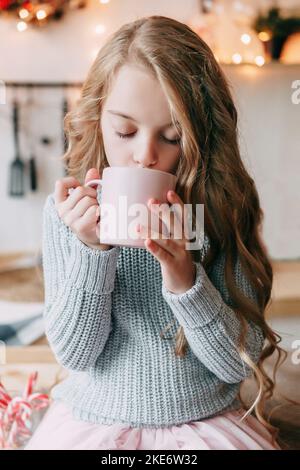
158, 339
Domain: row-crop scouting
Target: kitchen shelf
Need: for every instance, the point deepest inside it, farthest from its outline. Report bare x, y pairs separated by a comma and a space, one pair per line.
78, 84
42, 84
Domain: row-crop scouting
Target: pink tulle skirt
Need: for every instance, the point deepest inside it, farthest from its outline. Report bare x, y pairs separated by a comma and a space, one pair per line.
59, 430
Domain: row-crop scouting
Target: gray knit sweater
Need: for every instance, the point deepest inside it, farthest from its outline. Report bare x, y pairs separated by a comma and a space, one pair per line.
104, 311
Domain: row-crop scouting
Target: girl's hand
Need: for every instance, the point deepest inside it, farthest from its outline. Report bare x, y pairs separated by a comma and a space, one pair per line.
177, 267
79, 210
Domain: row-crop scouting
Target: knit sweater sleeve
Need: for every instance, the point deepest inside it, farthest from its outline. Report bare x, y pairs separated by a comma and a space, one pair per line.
78, 282
210, 324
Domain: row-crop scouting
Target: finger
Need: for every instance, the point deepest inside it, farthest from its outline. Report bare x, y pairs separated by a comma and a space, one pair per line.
80, 209
90, 215
159, 252
168, 217
166, 243
146, 232
85, 204
181, 214
62, 186
92, 174
77, 194
161, 210
87, 221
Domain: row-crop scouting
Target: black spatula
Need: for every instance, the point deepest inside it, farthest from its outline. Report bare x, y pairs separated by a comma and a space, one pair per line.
16, 186
32, 173
32, 160
65, 109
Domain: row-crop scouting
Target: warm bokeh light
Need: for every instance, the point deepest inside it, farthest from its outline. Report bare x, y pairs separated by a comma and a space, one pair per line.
41, 14
291, 50
23, 13
264, 36
21, 26
259, 60
236, 58
246, 38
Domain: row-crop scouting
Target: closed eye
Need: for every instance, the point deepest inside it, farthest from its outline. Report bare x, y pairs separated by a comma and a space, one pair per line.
168, 141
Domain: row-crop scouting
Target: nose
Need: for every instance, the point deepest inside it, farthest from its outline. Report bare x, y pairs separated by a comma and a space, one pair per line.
146, 156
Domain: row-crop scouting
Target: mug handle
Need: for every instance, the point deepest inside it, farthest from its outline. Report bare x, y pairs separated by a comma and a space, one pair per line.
89, 183
93, 182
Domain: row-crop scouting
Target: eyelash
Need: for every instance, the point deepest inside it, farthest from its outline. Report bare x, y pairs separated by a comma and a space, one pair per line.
171, 142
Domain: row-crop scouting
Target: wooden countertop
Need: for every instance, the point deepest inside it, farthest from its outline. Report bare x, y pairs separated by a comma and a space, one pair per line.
286, 289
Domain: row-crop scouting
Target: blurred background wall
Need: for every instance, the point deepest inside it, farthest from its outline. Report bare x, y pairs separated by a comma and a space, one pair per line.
63, 51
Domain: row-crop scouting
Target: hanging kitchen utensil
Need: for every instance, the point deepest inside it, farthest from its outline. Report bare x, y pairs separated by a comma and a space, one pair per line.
16, 183
32, 174
65, 109
32, 159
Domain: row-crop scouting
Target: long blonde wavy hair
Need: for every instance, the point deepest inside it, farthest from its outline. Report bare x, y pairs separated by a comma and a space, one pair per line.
210, 170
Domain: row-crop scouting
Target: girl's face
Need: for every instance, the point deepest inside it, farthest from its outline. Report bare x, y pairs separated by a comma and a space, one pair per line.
136, 123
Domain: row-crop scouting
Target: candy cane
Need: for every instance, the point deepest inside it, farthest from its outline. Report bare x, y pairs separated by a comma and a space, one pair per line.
15, 413
31, 382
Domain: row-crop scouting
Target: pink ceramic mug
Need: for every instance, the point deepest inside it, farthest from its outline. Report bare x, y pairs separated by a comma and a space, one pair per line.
125, 193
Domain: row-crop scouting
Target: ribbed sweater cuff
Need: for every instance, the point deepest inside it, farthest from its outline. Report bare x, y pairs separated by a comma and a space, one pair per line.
197, 306
91, 269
